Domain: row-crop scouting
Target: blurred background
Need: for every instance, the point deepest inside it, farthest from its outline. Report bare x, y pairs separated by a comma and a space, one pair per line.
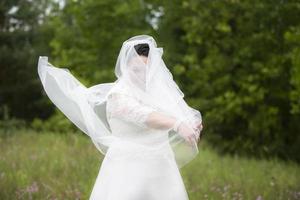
238, 63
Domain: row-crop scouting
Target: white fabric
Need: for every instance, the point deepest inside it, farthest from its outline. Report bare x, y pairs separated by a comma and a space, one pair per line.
136, 167
140, 162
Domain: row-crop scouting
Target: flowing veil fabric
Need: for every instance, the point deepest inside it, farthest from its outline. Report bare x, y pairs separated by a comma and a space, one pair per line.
151, 82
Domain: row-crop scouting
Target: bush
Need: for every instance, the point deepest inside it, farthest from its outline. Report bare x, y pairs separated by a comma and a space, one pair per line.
58, 123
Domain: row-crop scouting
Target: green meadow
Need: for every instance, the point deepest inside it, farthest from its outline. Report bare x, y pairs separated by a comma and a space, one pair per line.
64, 166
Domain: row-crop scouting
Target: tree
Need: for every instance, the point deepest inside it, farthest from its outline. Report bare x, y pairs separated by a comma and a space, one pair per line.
241, 66
23, 37
90, 33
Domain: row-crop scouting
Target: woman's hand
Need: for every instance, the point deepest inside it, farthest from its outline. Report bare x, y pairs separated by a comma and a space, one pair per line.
198, 128
189, 134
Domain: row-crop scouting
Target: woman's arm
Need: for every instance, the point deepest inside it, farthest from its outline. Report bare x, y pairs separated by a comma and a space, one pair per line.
159, 120
129, 109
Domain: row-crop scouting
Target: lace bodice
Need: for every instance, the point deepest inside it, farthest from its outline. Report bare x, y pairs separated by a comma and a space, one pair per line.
127, 108
127, 116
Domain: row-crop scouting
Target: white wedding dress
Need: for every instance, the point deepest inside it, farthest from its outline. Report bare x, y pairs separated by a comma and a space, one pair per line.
131, 168
141, 162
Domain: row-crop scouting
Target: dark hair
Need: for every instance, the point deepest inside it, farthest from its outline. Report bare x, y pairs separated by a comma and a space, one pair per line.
142, 49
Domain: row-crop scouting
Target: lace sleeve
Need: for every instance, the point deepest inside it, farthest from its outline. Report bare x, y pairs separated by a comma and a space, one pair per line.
128, 109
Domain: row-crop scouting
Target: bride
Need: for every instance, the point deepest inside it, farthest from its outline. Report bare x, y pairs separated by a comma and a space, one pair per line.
140, 122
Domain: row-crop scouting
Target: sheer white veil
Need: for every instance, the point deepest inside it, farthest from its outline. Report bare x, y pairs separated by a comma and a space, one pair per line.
151, 82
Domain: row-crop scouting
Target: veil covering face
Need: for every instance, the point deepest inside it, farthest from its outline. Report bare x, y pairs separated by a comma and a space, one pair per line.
148, 79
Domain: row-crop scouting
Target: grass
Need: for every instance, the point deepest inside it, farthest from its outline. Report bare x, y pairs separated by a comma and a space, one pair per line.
56, 166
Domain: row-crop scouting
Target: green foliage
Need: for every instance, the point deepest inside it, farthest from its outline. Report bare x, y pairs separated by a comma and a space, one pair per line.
292, 37
22, 39
10, 124
89, 35
241, 64
57, 123
7, 126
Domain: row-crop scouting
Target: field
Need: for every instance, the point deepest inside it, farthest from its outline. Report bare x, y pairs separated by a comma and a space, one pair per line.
64, 166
